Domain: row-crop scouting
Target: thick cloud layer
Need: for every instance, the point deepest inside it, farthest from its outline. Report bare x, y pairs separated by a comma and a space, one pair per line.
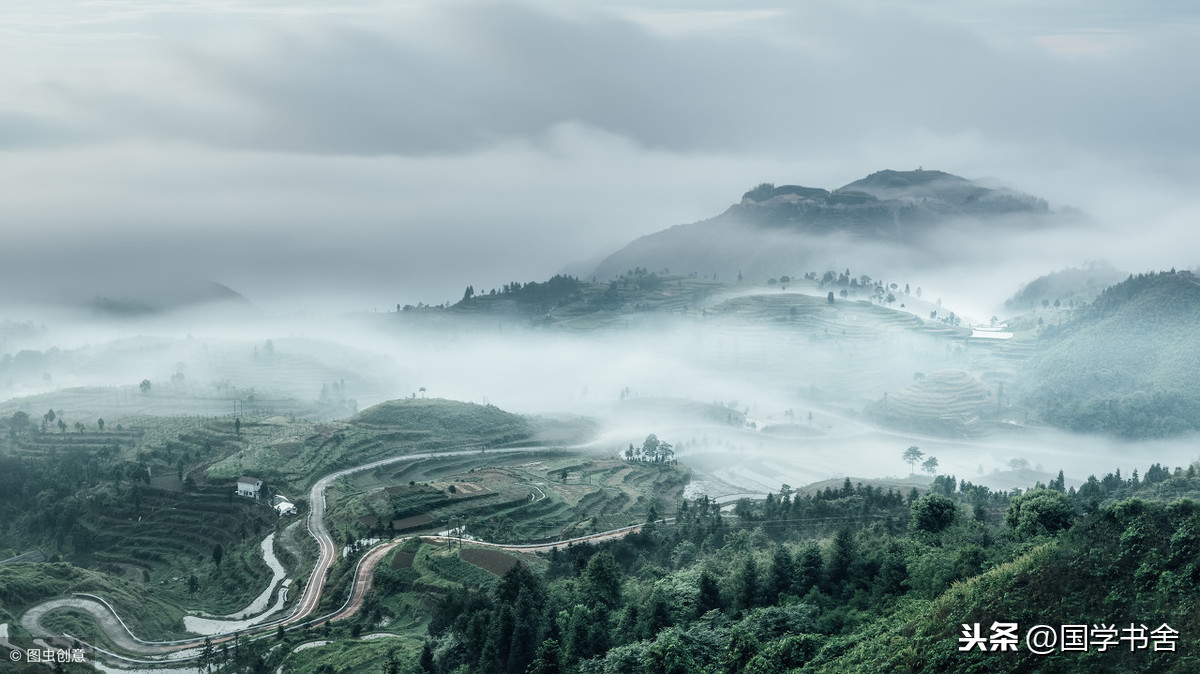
373, 153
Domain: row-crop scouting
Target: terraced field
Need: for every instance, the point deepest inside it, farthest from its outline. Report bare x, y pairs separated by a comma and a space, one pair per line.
40, 445
947, 394
553, 496
175, 536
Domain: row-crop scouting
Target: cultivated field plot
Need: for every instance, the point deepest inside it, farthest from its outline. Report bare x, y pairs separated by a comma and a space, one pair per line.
495, 561
407, 589
506, 499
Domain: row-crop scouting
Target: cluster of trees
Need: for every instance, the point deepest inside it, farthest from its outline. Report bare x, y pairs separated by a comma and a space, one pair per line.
539, 296
333, 395
62, 499
39, 494
20, 426
881, 292
818, 582
913, 455
948, 318
642, 279
652, 450
634, 604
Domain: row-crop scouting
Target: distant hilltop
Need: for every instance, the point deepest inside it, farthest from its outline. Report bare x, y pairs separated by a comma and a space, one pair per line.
888, 203
895, 207
117, 296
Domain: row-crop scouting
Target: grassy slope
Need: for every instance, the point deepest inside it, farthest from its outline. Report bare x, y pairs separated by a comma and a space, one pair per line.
420, 419
292, 455
144, 610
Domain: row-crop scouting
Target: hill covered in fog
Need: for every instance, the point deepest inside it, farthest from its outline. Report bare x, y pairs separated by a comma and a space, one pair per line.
1068, 286
129, 294
773, 229
165, 298
1126, 365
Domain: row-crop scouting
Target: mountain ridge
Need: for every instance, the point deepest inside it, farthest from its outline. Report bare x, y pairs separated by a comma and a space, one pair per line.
773, 228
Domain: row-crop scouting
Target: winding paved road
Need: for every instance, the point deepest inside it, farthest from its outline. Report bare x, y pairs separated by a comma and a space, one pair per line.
120, 635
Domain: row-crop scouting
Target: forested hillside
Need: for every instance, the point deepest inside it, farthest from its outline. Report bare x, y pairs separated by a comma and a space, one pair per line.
853, 579
1069, 286
1127, 364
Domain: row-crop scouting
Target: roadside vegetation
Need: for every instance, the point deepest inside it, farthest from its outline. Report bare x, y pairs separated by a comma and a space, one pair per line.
851, 579
504, 498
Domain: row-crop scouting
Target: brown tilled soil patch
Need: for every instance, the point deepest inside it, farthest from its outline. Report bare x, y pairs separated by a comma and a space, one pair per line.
493, 561
411, 522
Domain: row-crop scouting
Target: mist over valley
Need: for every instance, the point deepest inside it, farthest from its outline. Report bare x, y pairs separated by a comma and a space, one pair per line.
818, 370
585, 338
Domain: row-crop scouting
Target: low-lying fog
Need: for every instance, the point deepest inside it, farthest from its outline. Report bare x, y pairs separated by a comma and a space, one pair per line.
733, 396
327, 158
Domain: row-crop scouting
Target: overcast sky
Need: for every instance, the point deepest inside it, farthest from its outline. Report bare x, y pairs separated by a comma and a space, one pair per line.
384, 152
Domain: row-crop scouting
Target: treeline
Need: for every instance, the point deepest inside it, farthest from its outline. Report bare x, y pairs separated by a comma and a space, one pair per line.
833, 581
530, 297
683, 594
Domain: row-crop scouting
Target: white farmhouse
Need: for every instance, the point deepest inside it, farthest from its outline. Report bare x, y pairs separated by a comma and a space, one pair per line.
248, 487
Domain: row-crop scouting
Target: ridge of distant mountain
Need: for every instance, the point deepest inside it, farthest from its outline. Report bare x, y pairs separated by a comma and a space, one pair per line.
162, 299
111, 293
887, 203
146, 301
899, 207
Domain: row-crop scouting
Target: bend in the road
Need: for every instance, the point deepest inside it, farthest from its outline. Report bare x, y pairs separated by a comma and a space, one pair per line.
115, 628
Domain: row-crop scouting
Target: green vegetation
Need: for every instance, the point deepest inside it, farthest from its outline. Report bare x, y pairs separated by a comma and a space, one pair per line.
146, 610
850, 579
147, 504
491, 560
356, 656
1125, 365
113, 501
467, 423
292, 454
503, 498
529, 299
572, 304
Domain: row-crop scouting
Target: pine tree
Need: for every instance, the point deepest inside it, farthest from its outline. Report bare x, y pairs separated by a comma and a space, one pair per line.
524, 634
549, 659
709, 597
747, 584
841, 557
783, 569
601, 581
426, 662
